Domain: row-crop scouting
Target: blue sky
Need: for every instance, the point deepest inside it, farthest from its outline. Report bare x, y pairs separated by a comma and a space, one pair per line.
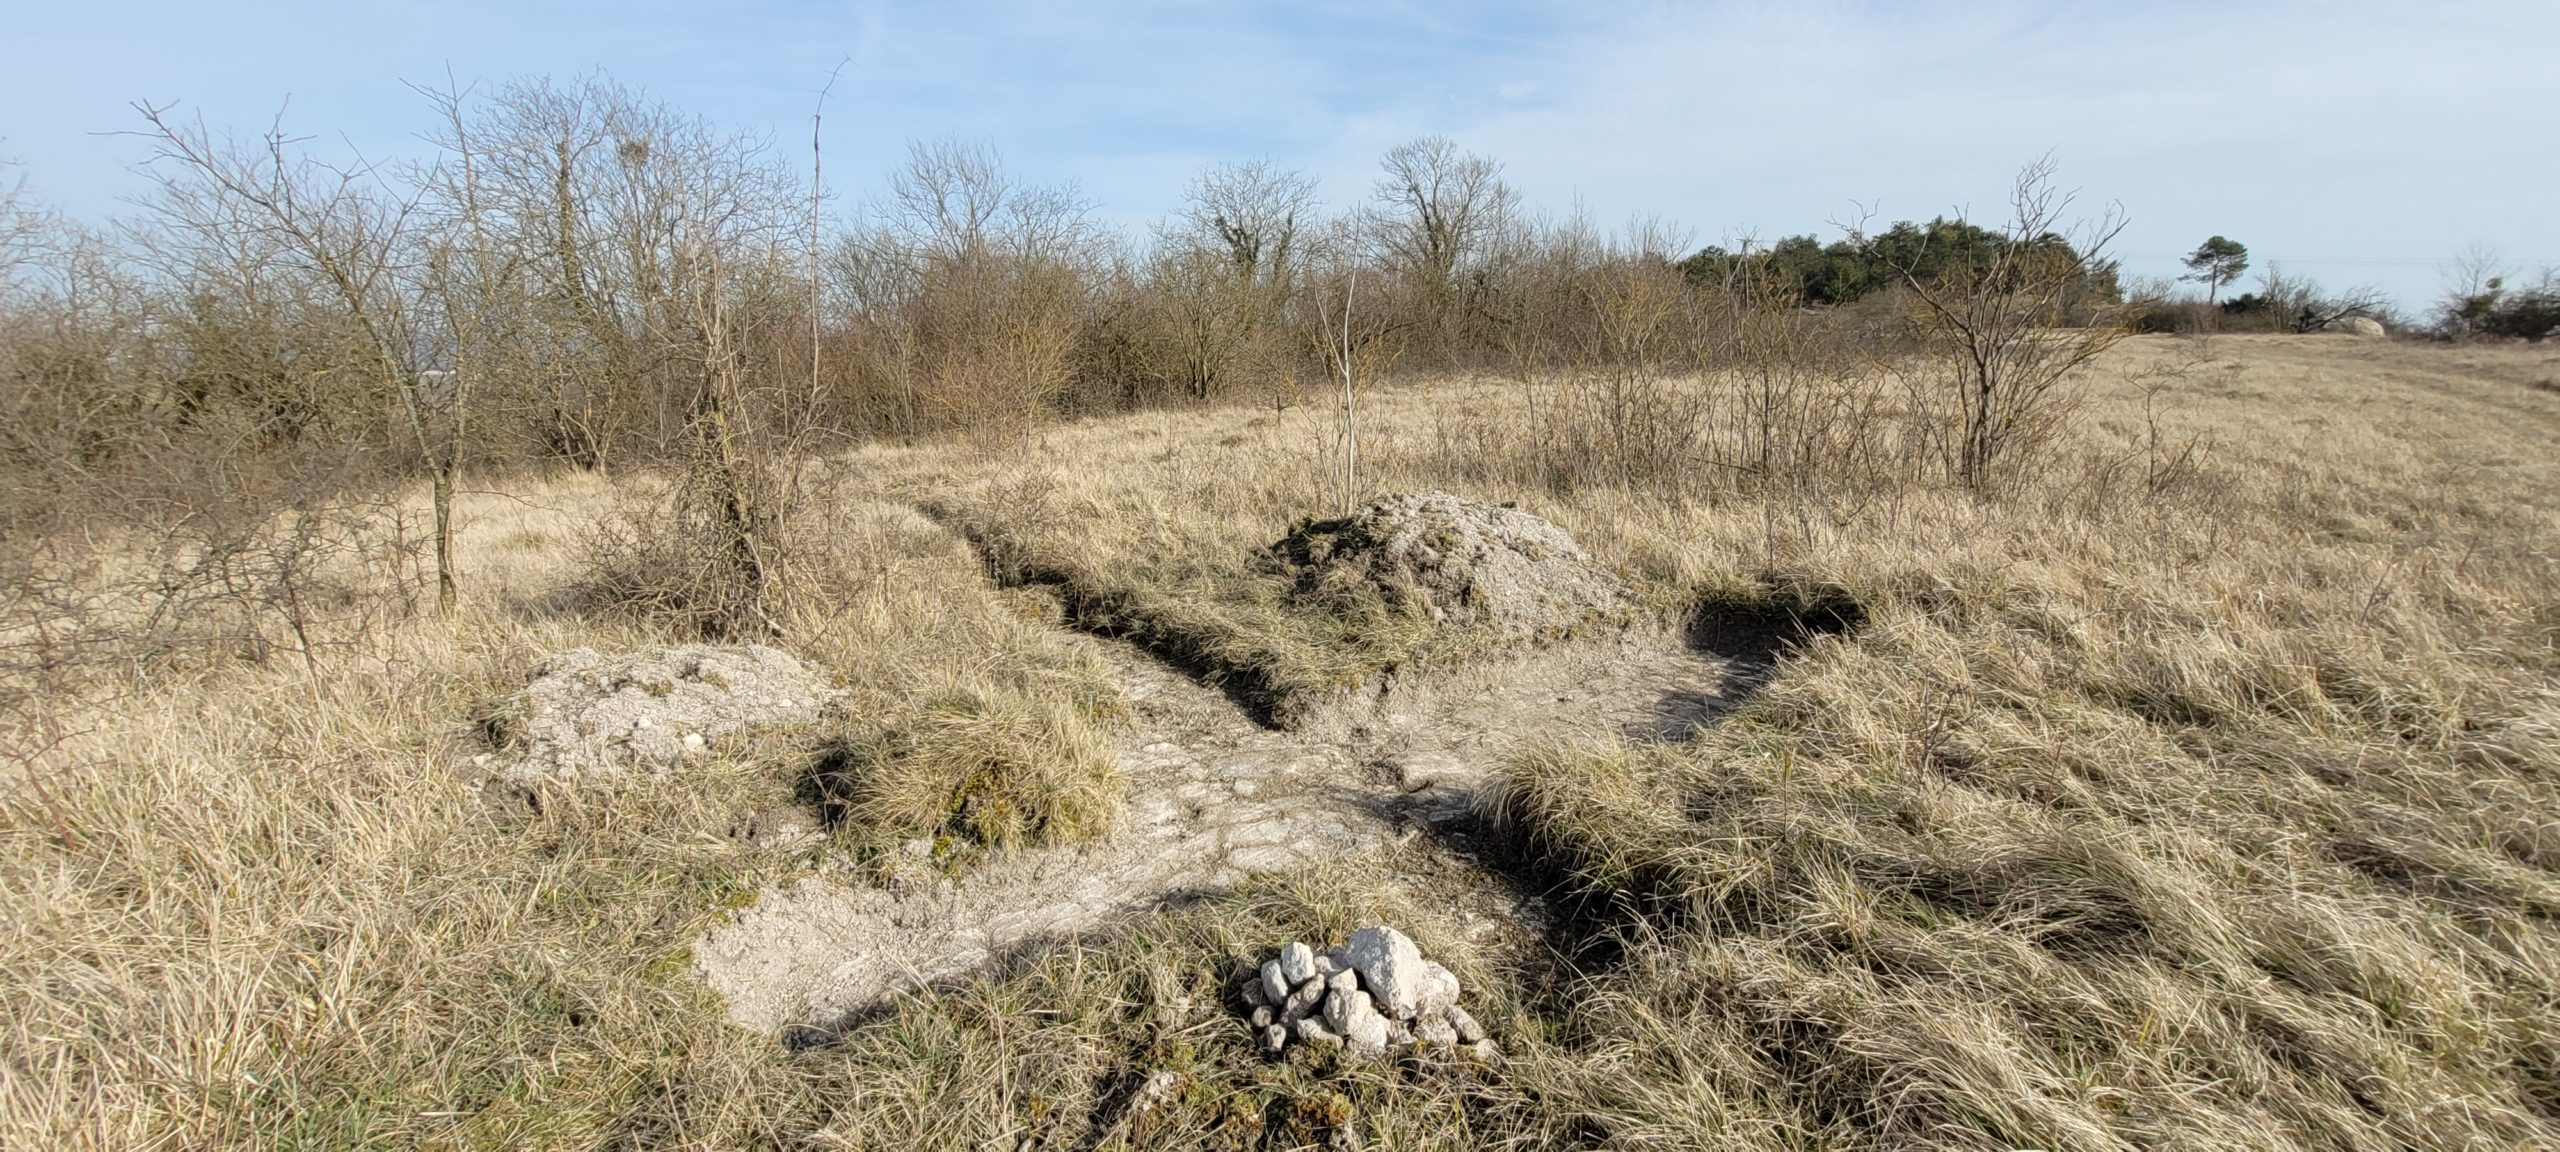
2359, 142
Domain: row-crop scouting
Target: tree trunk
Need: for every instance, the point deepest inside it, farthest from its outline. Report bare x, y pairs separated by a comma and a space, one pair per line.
441, 489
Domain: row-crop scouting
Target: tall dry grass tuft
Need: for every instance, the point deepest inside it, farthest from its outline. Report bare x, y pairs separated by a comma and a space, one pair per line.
995, 770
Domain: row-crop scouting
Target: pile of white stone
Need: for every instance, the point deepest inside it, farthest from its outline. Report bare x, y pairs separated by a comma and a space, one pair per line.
1374, 994
590, 717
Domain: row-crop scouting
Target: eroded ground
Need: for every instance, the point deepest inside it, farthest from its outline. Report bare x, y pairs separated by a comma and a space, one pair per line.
1212, 796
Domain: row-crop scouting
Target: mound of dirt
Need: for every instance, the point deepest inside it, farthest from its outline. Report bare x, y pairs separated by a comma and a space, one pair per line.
588, 716
1463, 563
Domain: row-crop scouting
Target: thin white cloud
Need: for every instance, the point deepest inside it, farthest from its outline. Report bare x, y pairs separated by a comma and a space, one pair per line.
2316, 132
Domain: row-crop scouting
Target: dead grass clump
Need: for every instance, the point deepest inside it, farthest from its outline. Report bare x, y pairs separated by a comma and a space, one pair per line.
1925, 888
994, 769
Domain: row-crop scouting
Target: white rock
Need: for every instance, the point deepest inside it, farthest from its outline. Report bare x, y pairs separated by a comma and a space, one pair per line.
1431, 768
1274, 1038
1254, 993
1436, 1030
1346, 980
1439, 992
1298, 963
1302, 1003
1262, 1016
1338, 1012
1326, 966
1390, 966
1274, 985
1313, 1031
1469, 1032
693, 742
1367, 1034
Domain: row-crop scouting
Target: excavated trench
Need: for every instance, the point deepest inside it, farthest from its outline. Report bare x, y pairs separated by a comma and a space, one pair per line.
1214, 794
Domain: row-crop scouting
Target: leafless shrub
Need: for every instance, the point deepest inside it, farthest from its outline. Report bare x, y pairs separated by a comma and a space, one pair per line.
1440, 213
2002, 332
2299, 304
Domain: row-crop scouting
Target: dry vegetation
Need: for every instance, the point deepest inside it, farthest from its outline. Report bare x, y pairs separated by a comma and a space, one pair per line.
2191, 777
2214, 812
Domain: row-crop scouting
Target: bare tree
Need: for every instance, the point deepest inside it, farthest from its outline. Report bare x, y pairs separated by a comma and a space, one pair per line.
2005, 329
1255, 211
983, 281
1440, 209
1220, 274
349, 231
1338, 341
2299, 304
20, 228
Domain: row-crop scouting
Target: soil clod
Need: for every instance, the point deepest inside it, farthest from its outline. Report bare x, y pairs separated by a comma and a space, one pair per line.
1460, 563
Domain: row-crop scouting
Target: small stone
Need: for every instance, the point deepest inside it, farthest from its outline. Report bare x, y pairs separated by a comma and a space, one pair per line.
693, 741
640, 722
1398, 1034
1302, 1003
1439, 990
1346, 980
1274, 985
1431, 768
1326, 966
1298, 963
1274, 1038
1313, 1031
1262, 1016
1485, 1050
1469, 1032
1254, 994
1338, 1012
1390, 966
1367, 1035
1436, 1030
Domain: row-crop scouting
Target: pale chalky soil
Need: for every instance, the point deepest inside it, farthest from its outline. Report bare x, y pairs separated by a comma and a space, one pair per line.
1211, 797
589, 716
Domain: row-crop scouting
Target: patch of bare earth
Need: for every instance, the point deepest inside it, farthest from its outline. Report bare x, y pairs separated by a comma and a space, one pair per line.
1213, 796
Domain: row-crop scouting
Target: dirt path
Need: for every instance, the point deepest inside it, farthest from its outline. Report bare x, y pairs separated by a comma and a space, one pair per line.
1212, 796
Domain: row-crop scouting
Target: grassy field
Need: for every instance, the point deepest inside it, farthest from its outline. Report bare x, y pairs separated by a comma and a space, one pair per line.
2212, 804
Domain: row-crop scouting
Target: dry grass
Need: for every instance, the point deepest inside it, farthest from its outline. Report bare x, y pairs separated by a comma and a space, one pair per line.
999, 771
2216, 812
